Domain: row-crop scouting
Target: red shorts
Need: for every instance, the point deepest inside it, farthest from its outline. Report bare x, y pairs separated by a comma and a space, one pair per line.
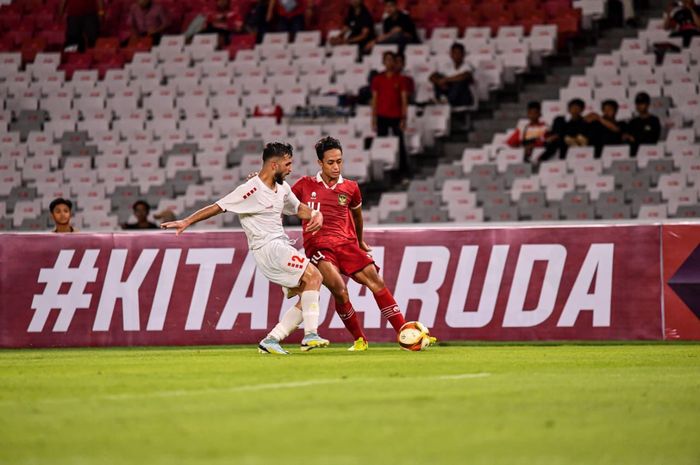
348, 258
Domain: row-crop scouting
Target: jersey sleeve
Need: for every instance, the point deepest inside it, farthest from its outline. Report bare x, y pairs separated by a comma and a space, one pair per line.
291, 202
356, 198
242, 200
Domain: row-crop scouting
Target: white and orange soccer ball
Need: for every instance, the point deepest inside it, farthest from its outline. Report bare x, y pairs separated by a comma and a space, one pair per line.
413, 336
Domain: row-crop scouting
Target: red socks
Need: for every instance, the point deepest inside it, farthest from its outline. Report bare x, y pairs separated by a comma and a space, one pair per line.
390, 311
349, 317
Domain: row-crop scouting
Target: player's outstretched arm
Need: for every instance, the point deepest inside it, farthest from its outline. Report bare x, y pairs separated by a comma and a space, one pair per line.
199, 215
314, 216
360, 228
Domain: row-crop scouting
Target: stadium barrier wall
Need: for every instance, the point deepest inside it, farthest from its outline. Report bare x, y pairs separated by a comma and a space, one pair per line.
597, 282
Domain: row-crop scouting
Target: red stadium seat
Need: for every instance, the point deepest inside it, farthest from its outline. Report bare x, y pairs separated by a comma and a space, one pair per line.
31, 47
241, 42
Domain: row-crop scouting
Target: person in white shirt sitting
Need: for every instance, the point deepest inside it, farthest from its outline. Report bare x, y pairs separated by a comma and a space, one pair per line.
452, 82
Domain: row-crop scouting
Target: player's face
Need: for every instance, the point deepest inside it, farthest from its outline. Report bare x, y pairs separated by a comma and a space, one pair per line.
283, 168
61, 215
642, 108
331, 164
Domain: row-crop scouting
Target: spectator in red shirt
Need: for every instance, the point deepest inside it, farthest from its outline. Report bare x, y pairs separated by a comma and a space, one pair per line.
409, 82
224, 21
82, 22
147, 20
290, 15
532, 134
390, 106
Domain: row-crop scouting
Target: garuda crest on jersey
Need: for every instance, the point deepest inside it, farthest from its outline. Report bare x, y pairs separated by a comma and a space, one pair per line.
342, 199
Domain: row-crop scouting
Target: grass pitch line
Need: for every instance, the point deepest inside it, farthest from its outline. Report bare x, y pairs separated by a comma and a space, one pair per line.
463, 376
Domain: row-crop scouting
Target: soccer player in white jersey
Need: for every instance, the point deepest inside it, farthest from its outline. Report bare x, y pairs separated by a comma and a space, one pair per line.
260, 203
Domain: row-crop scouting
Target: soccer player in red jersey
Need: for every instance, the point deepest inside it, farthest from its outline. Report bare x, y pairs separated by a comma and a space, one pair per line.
339, 246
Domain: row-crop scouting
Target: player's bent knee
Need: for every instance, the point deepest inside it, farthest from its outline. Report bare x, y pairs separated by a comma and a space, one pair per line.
312, 277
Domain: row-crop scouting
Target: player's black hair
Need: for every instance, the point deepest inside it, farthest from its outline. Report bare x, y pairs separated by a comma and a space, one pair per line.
276, 149
458, 46
141, 202
534, 105
60, 201
393, 2
642, 97
578, 102
388, 53
326, 144
610, 102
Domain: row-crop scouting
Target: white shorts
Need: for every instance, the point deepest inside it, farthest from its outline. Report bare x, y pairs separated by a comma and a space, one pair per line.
281, 263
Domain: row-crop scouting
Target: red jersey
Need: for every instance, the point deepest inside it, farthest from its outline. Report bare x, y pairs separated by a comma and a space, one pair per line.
334, 203
389, 89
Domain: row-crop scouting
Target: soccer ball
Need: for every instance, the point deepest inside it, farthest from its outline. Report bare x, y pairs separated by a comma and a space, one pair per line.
414, 336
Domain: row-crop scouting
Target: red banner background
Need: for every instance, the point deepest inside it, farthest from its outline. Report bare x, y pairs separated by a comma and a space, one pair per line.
556, 283
679, 242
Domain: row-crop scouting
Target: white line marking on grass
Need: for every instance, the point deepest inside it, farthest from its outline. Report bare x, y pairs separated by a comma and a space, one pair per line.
463, 376
243, 388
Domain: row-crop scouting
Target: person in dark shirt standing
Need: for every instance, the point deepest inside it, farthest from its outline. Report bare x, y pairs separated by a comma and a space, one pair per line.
644, 128
683, 19
82, 22
390, 106
358, 28
398, 28
571, 132
605, 129
141, 210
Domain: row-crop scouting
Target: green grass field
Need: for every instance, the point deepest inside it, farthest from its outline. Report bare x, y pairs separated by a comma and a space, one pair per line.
470, 404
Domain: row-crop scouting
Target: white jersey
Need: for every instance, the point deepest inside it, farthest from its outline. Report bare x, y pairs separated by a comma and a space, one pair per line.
260, 210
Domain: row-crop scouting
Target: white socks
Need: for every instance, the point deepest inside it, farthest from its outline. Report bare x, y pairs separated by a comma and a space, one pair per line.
310, 311
289, 322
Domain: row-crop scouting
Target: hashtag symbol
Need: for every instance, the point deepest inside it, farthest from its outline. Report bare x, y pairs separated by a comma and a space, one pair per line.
67, 304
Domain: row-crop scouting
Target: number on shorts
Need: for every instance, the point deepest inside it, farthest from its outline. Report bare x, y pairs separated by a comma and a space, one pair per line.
317, 257
297, 261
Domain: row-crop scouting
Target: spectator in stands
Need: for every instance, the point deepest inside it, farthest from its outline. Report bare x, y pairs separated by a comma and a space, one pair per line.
141, 210
358, 27
409, 82
683, 18
290, 15
61, 211
398, 28
571, 132
604, 129
82, 22
644, 128
534, 133
452, 82
256, 20
224, 21
390, 107
147, 19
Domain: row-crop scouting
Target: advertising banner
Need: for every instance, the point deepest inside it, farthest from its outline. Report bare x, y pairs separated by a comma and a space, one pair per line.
507, 284
681, 255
